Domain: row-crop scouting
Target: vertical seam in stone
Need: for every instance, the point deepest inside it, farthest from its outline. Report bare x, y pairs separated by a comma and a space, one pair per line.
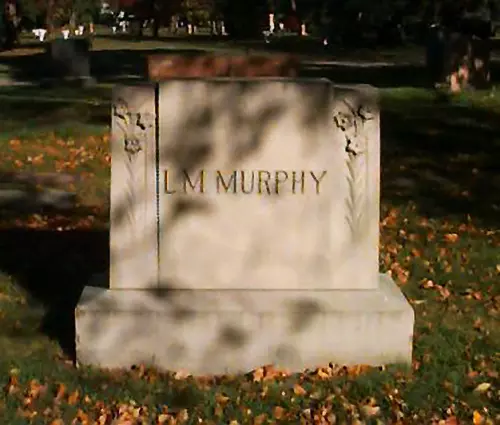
157, 172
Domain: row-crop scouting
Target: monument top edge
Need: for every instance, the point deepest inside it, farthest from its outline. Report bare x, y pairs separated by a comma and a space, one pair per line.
246, 79
365, 88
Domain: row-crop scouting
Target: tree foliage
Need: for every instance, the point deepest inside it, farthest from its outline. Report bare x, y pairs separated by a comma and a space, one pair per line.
59, 12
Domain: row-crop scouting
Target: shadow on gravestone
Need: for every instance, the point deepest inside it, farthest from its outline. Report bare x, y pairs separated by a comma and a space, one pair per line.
164, 66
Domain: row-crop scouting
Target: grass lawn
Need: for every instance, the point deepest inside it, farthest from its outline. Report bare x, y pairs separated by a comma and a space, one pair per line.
440, 239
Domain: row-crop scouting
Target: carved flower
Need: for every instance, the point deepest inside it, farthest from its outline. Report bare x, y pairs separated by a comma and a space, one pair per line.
355, 146
132, 145
145, 120
365, 113
350, 120
120, 109
343, 120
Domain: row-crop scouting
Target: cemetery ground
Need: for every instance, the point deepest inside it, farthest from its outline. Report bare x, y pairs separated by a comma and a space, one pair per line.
440, 240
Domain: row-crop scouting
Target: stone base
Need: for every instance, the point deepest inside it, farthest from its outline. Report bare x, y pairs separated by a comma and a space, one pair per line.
231, 331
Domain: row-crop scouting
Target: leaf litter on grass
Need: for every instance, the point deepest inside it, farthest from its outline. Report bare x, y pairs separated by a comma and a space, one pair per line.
447, 268
80, 166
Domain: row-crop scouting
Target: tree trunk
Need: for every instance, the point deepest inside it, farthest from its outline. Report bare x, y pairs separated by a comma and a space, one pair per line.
156, 25
155, 15
244, 20
49, 18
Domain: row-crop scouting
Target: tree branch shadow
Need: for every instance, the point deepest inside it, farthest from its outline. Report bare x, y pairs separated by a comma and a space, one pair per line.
53, 267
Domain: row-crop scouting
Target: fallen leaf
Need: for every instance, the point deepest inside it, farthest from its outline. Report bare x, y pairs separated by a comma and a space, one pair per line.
258, 374
222, 399
477, 419
60, 392
322, 373
278, 412
182, 416
73, 397
181, 374
428, 284
482, 388
451, 237
260, 419
298, 390
12, 385
370, 408
163, 418
36, 389
15, 143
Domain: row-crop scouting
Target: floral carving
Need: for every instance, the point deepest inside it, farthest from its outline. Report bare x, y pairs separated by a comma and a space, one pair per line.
133, 126
350, 120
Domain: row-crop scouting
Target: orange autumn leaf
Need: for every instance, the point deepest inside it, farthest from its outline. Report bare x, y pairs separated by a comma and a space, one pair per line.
451, 237
73, 397
260, 419
60, 391
222, 399
38, 160
358, 370
81, 418
15, 143
298, 390
477, 418
322, 373
35, 389
182, 416
278, 412
162, 419
258, 374
12, 385
52, 151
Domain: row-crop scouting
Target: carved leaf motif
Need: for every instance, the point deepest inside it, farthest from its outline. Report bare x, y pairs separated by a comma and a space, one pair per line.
344, 121
350, 121
133, 125
145, 120
132, 145
121, 110
355, 197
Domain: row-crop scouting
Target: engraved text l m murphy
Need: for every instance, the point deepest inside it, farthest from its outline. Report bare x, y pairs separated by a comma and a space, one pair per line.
260, 182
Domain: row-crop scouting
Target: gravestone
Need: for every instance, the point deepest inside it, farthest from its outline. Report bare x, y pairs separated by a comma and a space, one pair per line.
244, 231
161, 67
69, 60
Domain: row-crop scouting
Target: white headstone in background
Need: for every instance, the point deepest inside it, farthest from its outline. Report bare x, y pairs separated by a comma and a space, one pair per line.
40, 33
